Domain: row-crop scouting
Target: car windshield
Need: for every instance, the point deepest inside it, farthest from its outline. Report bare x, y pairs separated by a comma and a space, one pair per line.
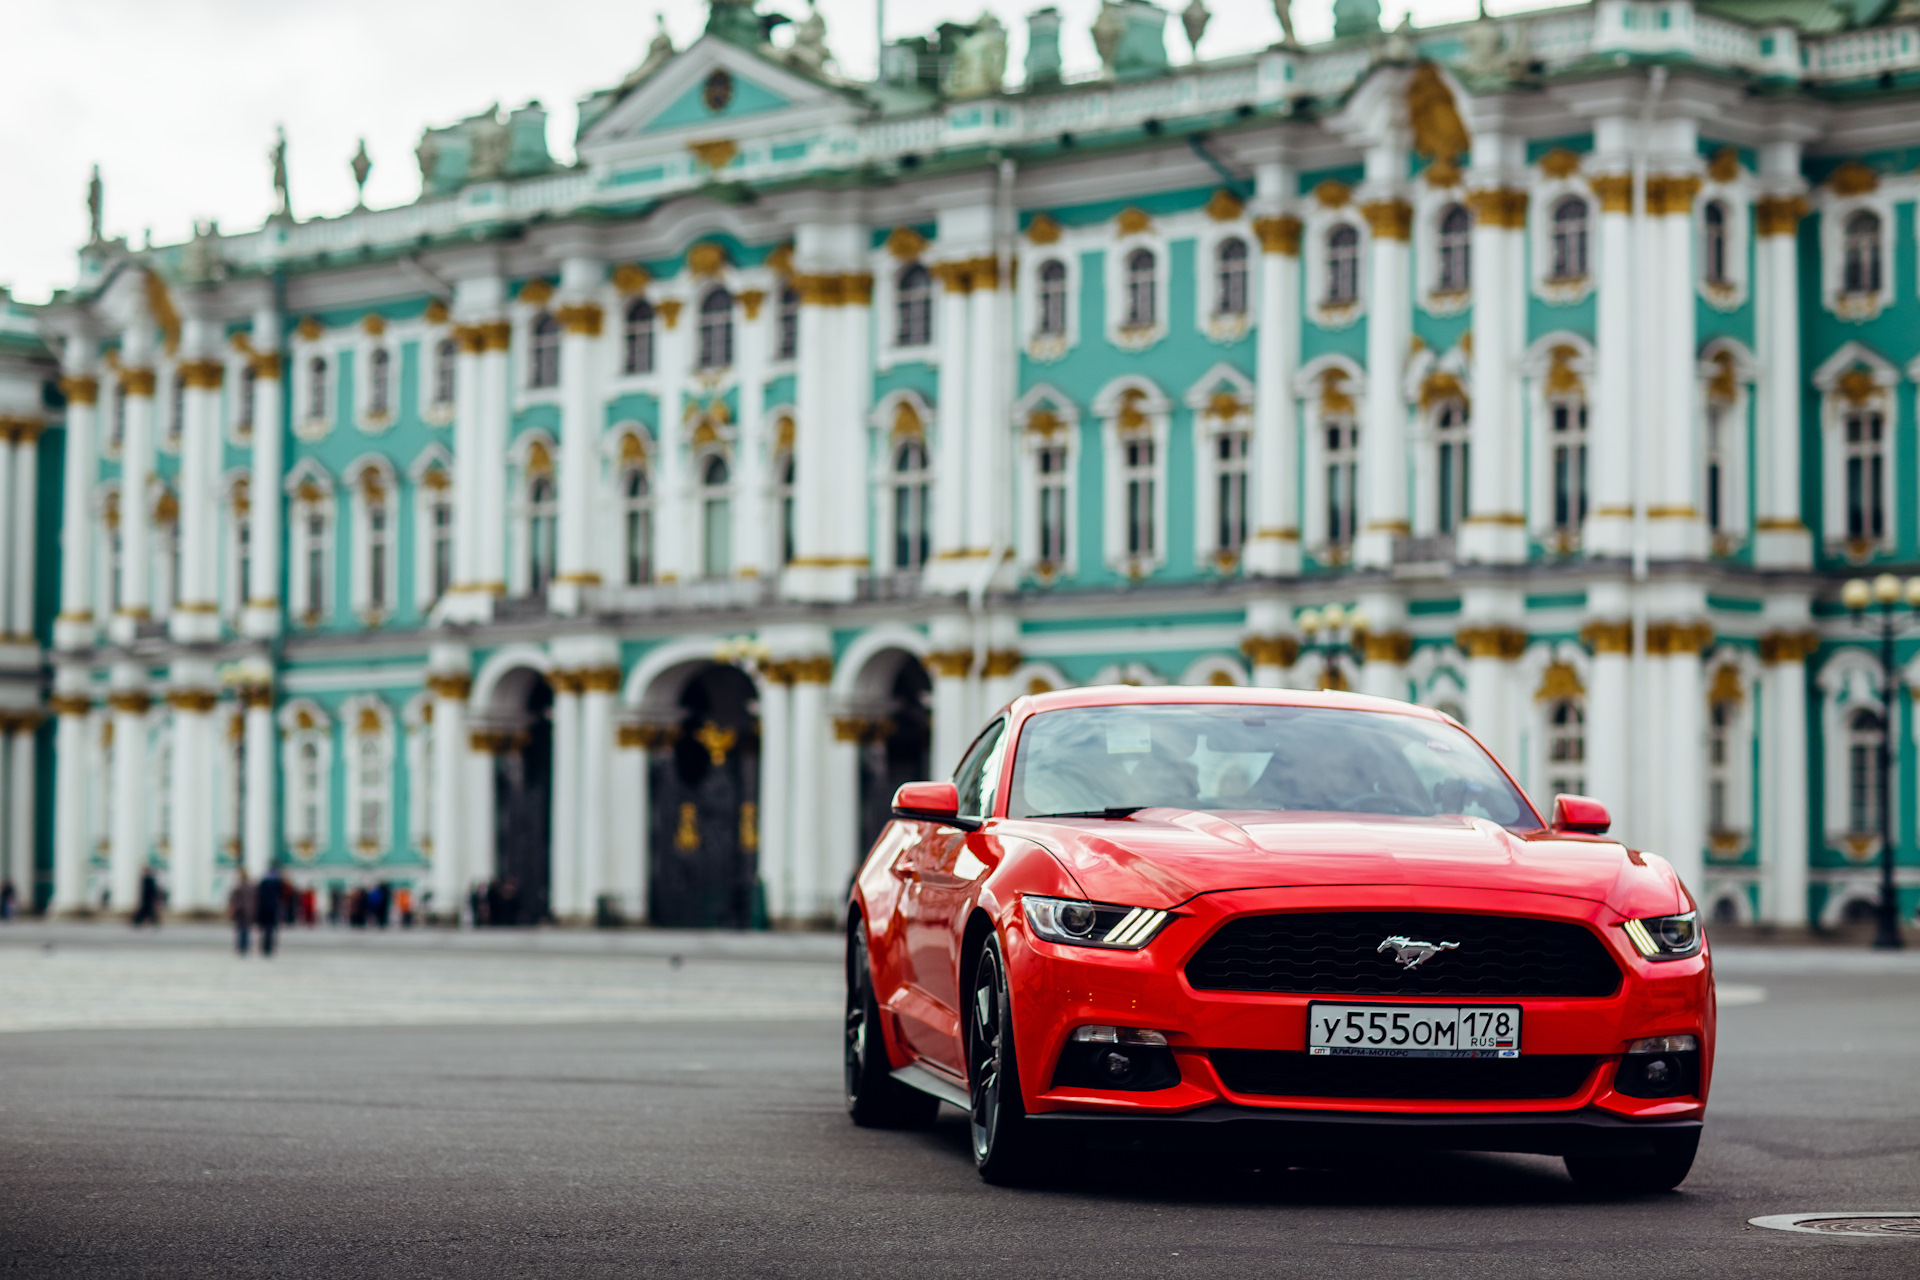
1109, 761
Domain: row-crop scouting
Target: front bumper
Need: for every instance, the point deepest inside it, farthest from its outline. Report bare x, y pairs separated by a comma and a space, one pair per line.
1230, 1127
1057, 988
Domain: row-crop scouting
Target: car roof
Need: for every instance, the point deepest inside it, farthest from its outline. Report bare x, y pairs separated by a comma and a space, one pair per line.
1121, 695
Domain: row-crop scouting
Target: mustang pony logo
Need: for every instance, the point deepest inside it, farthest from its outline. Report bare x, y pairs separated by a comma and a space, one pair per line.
1412, 953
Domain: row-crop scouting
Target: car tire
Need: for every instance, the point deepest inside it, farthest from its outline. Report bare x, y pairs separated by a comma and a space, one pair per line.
1664, 1170
875, 1100
1005, 1149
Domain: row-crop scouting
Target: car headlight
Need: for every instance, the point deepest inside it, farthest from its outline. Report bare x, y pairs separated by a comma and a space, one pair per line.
1666, 937
1092, 924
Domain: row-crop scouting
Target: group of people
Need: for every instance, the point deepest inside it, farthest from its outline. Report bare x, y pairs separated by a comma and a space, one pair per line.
264, 904
499, 902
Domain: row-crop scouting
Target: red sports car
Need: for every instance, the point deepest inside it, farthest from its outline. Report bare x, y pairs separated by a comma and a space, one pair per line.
1265, 919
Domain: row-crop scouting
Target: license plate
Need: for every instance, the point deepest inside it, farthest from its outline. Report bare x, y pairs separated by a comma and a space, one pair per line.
1413, 1031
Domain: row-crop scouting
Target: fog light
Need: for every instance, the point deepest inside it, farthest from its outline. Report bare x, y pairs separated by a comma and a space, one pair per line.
1657, 1072
1118, 1064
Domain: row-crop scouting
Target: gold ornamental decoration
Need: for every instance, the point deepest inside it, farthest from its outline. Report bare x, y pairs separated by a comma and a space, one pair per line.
1559, 162
1607, 637
1671, 193
535, 292
132, 701
1562, 378
1614, 191
452, 685
1559, 683
137, 381
1388, 219
1499, 207
1393, 647
1044, 229
265, 364
630, 278
70, 704
717, 741
1271, 651
1725, 165
951, 664
583, 318
1779, 647
1334, 398
1332, 194
1778, 215
1132, 221
203, 375
751, 301
374, 323
437, 311
905, 244
1439, 387
686, 837
1857, 386
1279, 235
1853, 179
1224, 206
80, 389
1491, 641
1678, 637
496, 335
716, 154
1727, 688
1438, 132
707, 259
817, 669
310, 329
1001, 663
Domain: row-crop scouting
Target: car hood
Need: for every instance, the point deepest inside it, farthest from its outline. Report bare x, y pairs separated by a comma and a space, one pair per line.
1163, 857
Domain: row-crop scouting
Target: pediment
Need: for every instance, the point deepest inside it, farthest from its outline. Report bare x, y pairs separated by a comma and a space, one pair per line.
714, 89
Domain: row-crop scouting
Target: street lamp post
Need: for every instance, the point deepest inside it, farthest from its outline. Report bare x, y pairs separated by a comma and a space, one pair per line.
1343, 629
1881, 596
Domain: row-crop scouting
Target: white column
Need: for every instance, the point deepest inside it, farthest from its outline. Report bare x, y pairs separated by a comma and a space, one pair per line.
839, 852
451, 853
953, 725
1681, 781
776, 787
26, 493
262, 616
491, 570
1781, 537
20, 798
598, 688
9, 492
565, 797
672, 547
1387, 646
853, 407
479, 860
1383, 439
1609, 721
71, 853
74, 628
809, 831
1611, 415
128, 839
1783, 777
950, 447
754, 554
136, 473
190, 839
1495, 529
1274, 550
580, 323
1676, 529
196, 618
987, 427
1492, 644
469, 343
257, 841
632, 821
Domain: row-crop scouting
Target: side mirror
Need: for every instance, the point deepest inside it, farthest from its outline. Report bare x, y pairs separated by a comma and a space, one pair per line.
1580, 813
931, 802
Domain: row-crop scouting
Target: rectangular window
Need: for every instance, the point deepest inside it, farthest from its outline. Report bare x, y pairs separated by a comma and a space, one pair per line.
1052, 465
1140, 498
442, 548
1569, 445
1232, 503
1865, 463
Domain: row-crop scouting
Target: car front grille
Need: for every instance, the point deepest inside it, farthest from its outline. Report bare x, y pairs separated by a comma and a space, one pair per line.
1338, 953
1301, 1075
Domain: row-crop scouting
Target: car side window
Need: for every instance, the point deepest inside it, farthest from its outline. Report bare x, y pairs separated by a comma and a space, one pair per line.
978, 776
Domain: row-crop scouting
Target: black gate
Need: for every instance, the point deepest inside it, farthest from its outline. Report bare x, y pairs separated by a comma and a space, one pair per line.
706, 823
522, 791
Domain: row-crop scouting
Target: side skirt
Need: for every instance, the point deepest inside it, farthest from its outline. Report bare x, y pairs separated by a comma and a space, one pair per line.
930, 1082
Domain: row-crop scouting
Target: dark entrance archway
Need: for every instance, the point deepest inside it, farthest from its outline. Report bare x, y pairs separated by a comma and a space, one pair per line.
522, 799
897, 745
706, 825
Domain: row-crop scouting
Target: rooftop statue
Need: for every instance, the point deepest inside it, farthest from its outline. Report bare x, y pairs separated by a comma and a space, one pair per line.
658, 51
809, 50
1283, 10
96, 197
981, 64
278, 157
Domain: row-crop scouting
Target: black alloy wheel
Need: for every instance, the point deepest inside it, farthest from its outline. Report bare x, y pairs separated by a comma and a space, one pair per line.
875, 1100
1664, 1170
1004, 1148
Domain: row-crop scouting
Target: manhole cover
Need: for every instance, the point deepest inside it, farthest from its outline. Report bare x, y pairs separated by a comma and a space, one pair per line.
1845, 1224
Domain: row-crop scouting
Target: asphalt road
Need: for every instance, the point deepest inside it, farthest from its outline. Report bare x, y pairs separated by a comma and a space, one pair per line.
466, 1143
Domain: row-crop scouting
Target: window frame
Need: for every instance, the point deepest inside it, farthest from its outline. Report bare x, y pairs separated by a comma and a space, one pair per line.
1153, 428
1122, 332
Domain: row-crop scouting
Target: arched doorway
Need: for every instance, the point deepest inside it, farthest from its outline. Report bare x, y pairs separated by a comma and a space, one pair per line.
897, 745
522, 799
706, 824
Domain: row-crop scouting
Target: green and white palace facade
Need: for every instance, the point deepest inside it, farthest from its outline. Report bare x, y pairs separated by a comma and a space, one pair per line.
630, 528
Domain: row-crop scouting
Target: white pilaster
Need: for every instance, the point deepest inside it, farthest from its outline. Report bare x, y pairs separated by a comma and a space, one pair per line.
581, 318
449, 683
257, 843
481, 856
810, 835
191, 696
1612, 415
74, 628
831, 391
20, 810
1274, 549
566, 859
1493, 642
1681, 782
9, 495
1676, 528
70, 844
776, 788
754, 552
839, 852
672, 546
26, 493
1495, 529
598, 688
950, 663
469, 344
1609, 706
946, 570
632, 819
1383, 440
491, 481
196, 618
128, 839
136, 474
1781, 539
262, 617
1783, 775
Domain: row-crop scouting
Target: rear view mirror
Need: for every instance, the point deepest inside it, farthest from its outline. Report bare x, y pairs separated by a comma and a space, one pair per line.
1580, 813
931, 802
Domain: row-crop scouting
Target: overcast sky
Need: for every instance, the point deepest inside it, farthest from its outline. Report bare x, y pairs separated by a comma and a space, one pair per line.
177, 101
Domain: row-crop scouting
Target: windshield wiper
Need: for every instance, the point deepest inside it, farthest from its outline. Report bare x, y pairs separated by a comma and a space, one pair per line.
1112, 813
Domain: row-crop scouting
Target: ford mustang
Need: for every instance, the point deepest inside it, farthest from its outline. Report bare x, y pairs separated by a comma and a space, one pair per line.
1278, 921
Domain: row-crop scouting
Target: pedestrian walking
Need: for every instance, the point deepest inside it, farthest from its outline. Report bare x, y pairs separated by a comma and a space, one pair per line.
149, 910
240, 909
9, 900
268, 907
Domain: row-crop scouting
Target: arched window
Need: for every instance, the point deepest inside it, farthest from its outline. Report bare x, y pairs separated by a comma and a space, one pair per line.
1713, 249
1866, 779
716, 518
637, 338
543, 514
1456, 250
378, 540
1141, 285
1860, 263
242, 547
1053, 299
1453, 469
1866, 464
1343, 266
910, 531
1230, 456
543, 356
1716, 467
316, 565
444, 353
1566, 748
716, 330
379, 382
1050, 461
317, 387
441, 531
1569, 247
784, 470
1719, 729
787, 316
1230, 277
636, 508
913, 304
308, 788
1567, 422
1139, 480
1343, 479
